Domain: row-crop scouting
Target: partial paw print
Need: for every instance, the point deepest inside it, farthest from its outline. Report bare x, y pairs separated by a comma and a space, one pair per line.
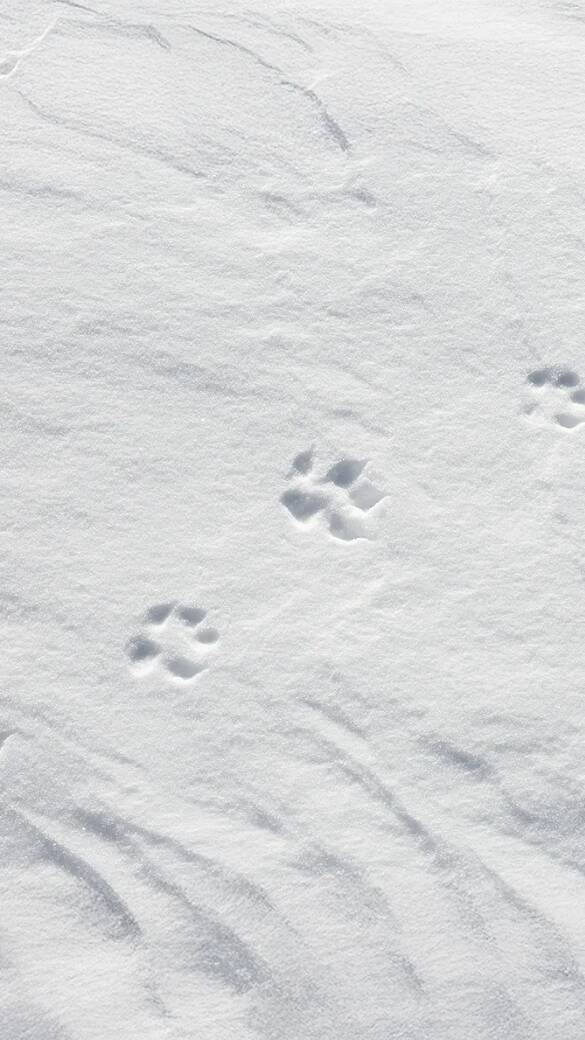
554, 395
343, 496
174, 639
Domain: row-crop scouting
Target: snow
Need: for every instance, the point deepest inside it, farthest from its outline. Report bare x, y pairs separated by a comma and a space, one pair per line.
291, 712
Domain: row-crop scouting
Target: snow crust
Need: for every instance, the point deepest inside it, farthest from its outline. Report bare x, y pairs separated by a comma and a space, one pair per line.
293, 458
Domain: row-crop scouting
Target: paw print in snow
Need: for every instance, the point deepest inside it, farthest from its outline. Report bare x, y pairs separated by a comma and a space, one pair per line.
174, 639
554, 396
343, 496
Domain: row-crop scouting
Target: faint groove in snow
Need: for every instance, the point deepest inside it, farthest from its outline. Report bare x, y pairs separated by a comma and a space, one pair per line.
186, 373
464, 874
77, 868
462, 138
118, 27
457, 757
217, 951
43, 191
137, 149
112, 828
79, 7
268, 26
334, 715
331, 126
531, 833
319, 862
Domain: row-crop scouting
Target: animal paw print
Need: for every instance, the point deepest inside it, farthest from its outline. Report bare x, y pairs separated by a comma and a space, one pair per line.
343, 496
555, 396
174, 639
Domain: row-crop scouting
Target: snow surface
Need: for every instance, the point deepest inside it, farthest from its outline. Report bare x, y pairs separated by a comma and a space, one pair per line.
292, 701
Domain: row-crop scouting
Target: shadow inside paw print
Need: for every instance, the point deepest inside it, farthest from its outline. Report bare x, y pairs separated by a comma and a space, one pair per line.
175, 641
342, 496
556, 397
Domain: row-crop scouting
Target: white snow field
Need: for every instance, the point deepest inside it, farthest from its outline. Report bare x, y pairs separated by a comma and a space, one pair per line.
292, 707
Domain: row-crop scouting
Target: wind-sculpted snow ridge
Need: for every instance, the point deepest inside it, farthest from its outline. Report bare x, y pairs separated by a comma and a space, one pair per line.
291, 712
